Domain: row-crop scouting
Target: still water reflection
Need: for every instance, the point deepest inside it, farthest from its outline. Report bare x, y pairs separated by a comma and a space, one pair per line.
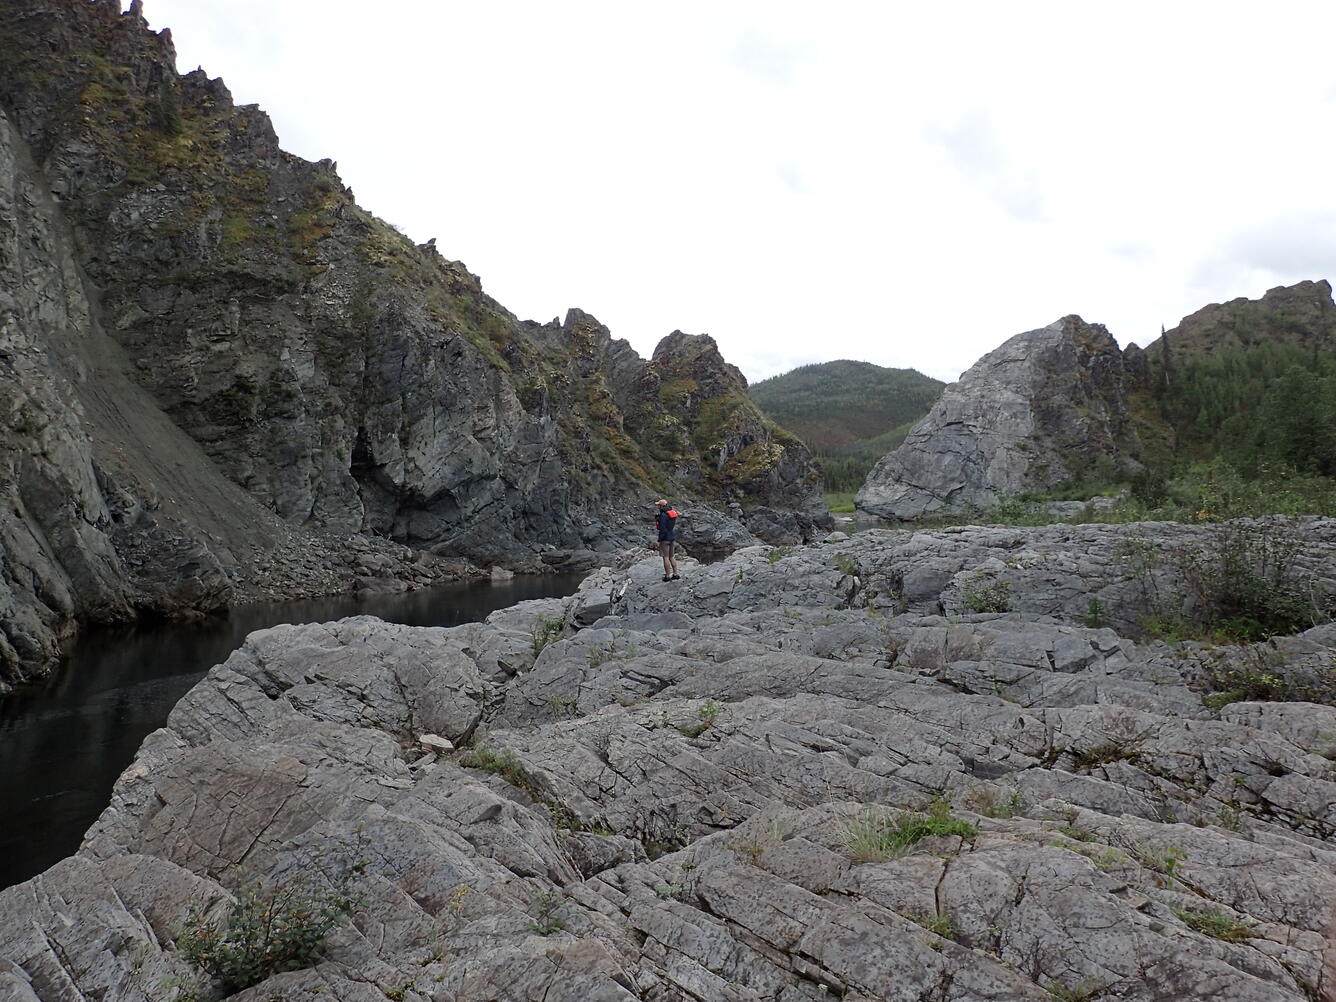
63, 743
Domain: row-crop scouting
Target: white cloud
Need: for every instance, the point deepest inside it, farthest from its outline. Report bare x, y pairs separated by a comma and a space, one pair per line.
908, 184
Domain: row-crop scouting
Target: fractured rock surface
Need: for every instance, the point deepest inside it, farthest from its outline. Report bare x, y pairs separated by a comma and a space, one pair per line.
667, 803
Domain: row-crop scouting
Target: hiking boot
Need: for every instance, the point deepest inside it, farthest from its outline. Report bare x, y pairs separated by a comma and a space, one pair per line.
667, 578
673, 578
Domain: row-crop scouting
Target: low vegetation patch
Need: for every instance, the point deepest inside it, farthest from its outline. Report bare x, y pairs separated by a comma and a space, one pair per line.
1214, 921
1263, 674
502, 763
276, 926
546, 631
984, 593
1239, 584
840, 502
708, 714
871, 839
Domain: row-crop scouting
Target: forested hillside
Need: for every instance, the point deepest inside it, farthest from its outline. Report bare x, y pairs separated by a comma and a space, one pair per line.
849, 414
1248, 382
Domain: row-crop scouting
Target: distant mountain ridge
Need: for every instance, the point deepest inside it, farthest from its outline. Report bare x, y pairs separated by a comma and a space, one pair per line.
848, 413
835, 405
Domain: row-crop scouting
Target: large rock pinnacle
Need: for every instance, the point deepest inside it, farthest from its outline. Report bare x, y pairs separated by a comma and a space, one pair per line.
1042, 409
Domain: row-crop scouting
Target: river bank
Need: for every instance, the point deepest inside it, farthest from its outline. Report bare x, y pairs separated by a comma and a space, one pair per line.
64, 741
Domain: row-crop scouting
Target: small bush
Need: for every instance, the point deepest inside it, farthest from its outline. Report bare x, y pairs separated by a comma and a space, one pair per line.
846, 564
545, 631
1150, 487
1077, 834
1244, 586
940, 925
1261, 674
275, 927
549, 913
708, 713
1096, 615
1003, 809
1240, 581
983, 593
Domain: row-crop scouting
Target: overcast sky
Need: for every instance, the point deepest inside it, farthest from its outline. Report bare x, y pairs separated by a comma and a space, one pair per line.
908, 184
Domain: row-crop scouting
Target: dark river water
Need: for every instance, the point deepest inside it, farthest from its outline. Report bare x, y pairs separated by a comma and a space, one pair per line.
63, 743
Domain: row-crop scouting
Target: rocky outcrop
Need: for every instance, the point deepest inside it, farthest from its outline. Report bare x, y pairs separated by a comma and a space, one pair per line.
693, 411
1041, 410
786, 777
1302, 314
107, 510
189, 310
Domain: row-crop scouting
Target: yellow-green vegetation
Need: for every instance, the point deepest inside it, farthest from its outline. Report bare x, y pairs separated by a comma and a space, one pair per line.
1214, 921
984, 593
1259, 674
708, 713
840, 501
502, 763
545, 631
870, 838
939, 924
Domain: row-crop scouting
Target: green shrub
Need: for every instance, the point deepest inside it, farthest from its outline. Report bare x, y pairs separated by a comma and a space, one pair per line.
275, 927
983, 593
940, 925
549, 913
708, 713
1260, 674
545, 631
1096, 615
1150, 487
503, 764
1241, 584
1244, 586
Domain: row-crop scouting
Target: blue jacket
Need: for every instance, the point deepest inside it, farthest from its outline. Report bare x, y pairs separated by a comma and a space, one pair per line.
665, 526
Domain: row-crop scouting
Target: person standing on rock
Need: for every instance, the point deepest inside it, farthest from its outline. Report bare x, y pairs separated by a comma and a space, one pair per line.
666, 522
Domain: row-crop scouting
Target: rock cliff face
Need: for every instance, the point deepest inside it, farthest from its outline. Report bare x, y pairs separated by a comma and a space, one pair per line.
1301, 314
786, 777
190, 289
1045, 407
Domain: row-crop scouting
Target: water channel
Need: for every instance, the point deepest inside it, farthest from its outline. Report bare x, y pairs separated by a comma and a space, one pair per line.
64, 742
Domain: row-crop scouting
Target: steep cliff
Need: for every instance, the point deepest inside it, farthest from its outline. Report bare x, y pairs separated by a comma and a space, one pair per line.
275, 335
1042, 409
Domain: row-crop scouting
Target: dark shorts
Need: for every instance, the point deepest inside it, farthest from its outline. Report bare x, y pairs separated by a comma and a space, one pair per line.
666, 547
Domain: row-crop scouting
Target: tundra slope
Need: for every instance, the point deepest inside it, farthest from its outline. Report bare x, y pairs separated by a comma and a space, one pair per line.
678, 782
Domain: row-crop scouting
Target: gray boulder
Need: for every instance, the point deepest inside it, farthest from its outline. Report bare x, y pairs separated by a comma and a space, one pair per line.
1039, 411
